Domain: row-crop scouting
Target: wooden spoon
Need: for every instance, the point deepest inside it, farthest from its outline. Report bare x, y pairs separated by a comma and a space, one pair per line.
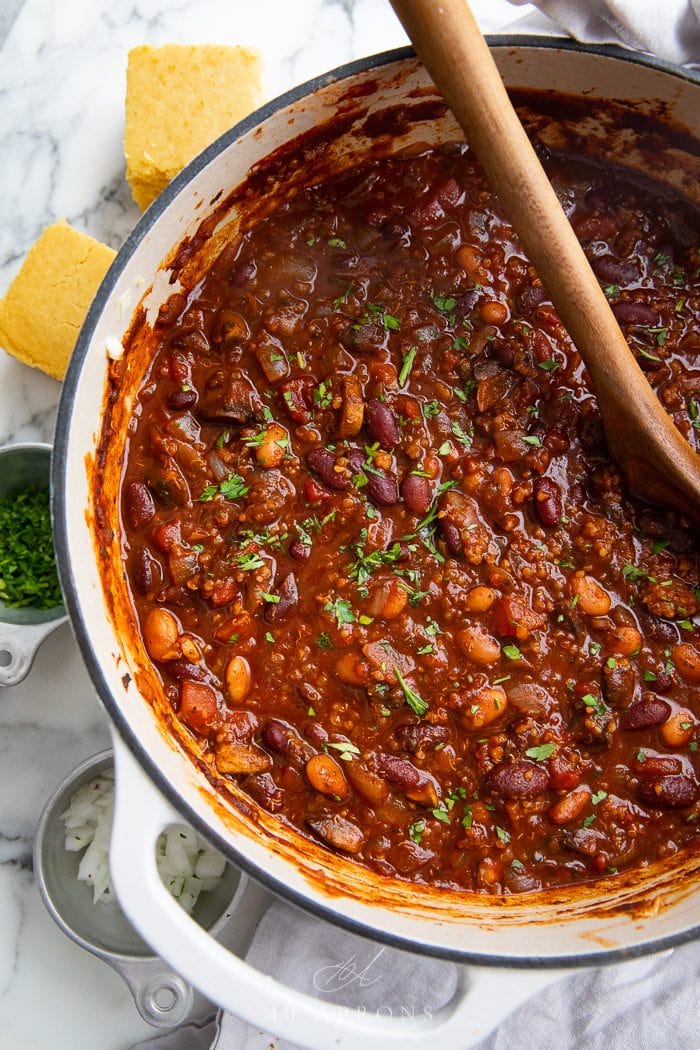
657, 462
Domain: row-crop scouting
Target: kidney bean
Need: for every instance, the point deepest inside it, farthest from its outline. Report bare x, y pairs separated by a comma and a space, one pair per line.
646, 713
314, 732
414, 783
146, 571
296, 397
288, 596
671, 792
530, 297
416, 493
519, 779
299, 551
322, 463
421, 736
279, 736
338, 832
184, 669
228, 399
635, 313
139, 507
382, 489
452, 537
181, 399
648, 765
614, 271
618, 684
265, 791
547, 501
381, 424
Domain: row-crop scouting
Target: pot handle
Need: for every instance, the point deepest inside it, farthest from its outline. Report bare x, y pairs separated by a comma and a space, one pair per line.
484, 996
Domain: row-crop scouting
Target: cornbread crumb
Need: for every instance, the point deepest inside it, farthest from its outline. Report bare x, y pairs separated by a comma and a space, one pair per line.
180, 98
45, 306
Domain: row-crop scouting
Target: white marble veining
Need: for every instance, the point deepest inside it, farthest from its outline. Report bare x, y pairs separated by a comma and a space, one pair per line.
62, 78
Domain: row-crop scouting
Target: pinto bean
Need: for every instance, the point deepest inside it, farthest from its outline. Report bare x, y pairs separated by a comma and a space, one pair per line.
488, 705
479, 646
325, 775
352, 669
160, 634
368, 785
519, 779
273, 448
338, 832
686, 659
672, 792
646, 713
139, 508
679, 729
479, 599
416, 493
288, 596
547, 501
591, 598
381, 424
238, 678
323, 464
352, 409
569, 807
241, 758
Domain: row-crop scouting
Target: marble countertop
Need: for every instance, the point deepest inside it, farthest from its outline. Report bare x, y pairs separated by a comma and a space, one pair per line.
62, 80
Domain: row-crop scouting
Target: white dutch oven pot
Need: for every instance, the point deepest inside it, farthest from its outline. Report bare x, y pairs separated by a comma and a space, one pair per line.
535, 936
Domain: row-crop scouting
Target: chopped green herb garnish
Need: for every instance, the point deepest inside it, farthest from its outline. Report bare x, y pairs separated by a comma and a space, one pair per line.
598, 797
342, 610
28, 577
337, 242
512, 652
541, 752
345, 748
407, 365
502, 834
532, 439
431, 409
232, 488
415, 831
324, 641
548, 366
414, 701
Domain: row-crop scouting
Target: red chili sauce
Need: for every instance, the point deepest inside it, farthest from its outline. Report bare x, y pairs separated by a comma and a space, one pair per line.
378, 552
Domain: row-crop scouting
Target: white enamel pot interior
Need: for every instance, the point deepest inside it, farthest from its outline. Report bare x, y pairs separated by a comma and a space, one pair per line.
157, 778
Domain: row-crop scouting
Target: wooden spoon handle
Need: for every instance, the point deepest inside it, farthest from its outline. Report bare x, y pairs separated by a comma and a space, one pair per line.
453, 50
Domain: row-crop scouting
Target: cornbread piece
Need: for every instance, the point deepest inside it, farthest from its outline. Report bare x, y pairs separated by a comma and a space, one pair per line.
178, 100
46, 304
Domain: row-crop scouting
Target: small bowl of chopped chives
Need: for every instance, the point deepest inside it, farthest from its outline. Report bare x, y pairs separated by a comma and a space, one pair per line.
31, 604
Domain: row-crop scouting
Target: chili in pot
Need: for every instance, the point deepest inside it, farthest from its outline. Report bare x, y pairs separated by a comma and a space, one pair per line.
376, 547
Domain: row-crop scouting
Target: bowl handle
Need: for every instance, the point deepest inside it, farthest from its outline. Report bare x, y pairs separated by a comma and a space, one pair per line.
484, 996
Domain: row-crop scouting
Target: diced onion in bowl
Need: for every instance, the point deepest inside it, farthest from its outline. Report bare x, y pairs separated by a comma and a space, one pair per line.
187, 865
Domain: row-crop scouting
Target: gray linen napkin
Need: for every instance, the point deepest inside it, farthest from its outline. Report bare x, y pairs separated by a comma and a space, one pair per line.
649, 1004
